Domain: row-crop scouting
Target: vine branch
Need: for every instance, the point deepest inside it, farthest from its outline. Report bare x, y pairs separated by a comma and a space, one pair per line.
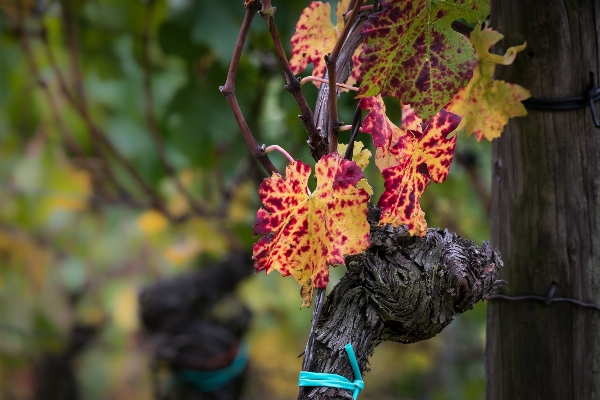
343, 70
228, 90
292, 84
96, 133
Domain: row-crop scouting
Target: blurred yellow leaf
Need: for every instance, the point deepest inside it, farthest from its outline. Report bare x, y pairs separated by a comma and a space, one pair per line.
201, 236
181, 253
151, 222
240, 206
211, 239
71, 187
26, 256
52, 182
125, 309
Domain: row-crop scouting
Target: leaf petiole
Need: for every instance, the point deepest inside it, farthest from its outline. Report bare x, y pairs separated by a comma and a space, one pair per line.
314, 78
279, 149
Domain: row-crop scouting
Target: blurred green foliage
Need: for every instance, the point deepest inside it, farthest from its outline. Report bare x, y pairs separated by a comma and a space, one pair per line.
76, 245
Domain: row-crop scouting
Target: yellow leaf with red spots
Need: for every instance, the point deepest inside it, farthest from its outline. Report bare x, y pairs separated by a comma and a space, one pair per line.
303, 232
384, 132
408, 157
315, 37
361, 157
417, 157
487, 104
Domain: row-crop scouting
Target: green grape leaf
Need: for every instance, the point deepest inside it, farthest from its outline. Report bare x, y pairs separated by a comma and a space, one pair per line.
413, 54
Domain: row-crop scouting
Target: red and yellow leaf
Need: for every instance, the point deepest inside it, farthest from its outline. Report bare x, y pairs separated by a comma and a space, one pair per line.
486, 104
384, 132
315, 37
303, 232
410, 163
361, 157
413, 54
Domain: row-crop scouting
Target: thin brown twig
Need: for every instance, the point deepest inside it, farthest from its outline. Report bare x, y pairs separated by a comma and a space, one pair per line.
331, 61
67, 136
356, 124
151, 118
100, 137
72, 35
293, 85
228, 90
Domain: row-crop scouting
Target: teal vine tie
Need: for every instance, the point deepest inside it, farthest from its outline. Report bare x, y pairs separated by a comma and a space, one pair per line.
333, 380
208, 381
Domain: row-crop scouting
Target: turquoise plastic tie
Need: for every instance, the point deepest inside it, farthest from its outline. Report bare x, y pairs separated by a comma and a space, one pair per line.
333, 380
208, 381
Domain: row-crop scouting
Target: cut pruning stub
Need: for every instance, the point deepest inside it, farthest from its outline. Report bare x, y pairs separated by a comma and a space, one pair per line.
302, 232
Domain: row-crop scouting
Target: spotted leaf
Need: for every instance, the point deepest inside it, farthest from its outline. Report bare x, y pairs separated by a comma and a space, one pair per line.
412, 161
384, 132
315, 37
303, 232
361, 157
486, 104
413, 54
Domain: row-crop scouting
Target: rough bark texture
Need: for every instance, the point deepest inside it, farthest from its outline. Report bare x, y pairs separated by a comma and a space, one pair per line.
545, 217
405, 289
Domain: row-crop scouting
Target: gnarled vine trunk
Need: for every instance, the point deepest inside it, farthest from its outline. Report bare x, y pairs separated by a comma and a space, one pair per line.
403, 288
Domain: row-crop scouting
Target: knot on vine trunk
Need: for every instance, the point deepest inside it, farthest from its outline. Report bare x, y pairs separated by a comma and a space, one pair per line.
417, 285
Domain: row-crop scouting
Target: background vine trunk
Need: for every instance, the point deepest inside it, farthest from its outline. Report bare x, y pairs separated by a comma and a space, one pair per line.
545, 209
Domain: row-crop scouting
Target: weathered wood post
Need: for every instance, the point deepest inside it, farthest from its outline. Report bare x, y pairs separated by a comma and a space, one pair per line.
546, 209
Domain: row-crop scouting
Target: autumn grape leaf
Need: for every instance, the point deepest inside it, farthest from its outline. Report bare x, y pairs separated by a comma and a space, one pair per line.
413, 54
315, 37
412, 161
305, 232
383, 131
361, 157
486, 104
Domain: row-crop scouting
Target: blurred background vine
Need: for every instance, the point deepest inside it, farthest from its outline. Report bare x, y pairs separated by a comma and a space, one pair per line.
121, 165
